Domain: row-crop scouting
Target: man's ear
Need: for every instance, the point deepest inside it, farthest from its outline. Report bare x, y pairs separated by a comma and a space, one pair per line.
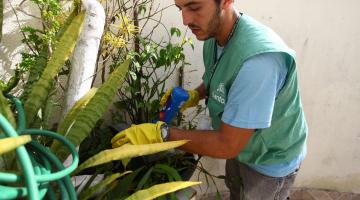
226, 3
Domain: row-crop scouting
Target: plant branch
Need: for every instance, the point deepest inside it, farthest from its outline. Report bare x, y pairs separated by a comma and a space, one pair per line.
22, 32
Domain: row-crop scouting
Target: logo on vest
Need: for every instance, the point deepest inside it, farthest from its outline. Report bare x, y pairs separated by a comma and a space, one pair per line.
221, 88
219, 94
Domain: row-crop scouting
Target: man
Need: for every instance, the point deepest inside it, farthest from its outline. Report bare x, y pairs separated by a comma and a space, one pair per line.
250, 86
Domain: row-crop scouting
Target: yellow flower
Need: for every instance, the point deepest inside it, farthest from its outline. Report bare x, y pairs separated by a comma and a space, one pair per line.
127, 27
114, 41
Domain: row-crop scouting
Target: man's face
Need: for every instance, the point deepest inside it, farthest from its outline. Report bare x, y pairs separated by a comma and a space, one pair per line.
201, 16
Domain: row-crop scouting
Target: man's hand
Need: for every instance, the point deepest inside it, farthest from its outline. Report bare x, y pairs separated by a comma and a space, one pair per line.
192, 101
146, 133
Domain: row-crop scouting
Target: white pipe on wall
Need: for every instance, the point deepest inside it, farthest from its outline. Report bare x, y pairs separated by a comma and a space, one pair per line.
83, 61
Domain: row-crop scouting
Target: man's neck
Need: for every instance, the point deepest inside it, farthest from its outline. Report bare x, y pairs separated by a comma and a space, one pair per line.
227, 26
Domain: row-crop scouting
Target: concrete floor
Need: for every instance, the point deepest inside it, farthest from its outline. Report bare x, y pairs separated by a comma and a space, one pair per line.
314, 194
300, 194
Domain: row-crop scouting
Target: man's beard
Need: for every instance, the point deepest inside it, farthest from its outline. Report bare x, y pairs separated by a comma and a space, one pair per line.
212, 27
214, 24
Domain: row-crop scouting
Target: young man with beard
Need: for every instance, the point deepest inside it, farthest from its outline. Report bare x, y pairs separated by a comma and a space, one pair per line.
251, 89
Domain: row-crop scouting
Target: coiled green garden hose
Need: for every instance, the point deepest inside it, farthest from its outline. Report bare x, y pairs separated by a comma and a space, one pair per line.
40, 167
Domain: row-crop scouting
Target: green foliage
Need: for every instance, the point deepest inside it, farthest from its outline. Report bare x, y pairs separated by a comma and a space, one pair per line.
85, 121
51, 13
153, 63
5, 109
41, 89
160, 189
176, 31
12, 83
150, 170
152, 67
34, 37
38, 39
136, 180
35, 66
124, 187
87, 194
74, 112
127, 151
40, 42
144, 181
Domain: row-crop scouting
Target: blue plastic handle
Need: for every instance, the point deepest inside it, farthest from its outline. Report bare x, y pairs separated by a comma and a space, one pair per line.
177, 98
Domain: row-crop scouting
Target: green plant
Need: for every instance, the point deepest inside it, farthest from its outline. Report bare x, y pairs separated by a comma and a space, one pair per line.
129, 31
38, 107
146, 83
83, 117
42, 168
40, 42
86, 116
135, 181
153, 65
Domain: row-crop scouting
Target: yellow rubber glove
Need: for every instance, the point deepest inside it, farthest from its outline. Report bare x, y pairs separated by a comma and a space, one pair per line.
191, 102
146, 133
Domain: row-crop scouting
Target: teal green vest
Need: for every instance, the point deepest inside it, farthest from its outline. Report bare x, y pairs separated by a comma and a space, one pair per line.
286, 136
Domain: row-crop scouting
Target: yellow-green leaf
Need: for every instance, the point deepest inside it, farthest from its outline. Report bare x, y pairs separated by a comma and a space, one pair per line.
7, 159
5, 110
161, 189
74, 111
75, 11
86, 120
62, 51
9, 144
86, 194
128, 151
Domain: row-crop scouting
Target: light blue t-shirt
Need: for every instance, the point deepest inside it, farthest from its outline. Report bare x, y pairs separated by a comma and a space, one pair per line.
251, 102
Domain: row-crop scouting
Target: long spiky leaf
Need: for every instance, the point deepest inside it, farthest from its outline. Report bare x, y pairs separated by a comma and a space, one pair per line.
63, 49
128, 151
160, 189
94, 110
5, 109
9, 144
74, 111
86, 194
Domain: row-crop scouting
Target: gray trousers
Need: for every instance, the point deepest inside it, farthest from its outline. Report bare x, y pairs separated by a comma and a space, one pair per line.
247, 184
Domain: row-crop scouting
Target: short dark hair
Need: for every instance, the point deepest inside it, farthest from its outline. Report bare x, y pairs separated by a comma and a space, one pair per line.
218, 2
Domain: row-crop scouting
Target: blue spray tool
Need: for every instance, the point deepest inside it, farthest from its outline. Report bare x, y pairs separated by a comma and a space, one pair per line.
177, 98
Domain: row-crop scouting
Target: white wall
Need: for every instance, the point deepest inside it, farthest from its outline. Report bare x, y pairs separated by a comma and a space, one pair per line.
325, 35
10, 47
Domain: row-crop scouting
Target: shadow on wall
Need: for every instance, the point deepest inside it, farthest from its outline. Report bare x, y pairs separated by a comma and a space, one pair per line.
11, 45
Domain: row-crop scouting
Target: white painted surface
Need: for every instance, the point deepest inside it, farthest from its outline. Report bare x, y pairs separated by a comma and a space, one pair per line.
83, 61
10, 45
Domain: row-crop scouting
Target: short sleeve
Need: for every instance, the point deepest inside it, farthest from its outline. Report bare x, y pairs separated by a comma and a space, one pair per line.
251, 98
